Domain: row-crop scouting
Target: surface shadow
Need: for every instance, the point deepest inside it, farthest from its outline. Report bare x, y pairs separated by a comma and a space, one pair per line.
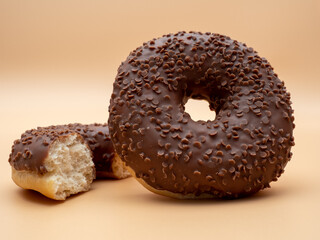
262, 195
36, 197
97, 182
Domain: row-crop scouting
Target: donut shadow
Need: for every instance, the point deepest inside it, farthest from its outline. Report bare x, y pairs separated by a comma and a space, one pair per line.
36, 197
104, 180
261, 195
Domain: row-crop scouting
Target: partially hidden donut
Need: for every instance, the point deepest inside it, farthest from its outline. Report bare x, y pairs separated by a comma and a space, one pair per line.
62, 160
236, 154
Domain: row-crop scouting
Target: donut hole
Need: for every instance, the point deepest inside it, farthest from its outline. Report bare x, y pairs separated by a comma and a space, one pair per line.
198, 110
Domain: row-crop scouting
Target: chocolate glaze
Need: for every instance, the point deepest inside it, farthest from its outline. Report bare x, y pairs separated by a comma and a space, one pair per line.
29, 152
238, 153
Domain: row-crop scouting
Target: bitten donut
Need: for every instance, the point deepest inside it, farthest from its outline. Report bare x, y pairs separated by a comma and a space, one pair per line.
58, 161
97, 137
238, 153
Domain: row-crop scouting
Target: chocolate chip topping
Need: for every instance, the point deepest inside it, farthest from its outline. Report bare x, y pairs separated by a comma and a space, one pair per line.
29, 152
240, 152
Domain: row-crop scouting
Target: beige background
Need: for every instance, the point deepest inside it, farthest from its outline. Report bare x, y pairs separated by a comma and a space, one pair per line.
58, 60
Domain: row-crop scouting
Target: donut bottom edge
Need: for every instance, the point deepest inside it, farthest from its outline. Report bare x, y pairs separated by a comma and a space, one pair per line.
189, 196
168, 193
32, 181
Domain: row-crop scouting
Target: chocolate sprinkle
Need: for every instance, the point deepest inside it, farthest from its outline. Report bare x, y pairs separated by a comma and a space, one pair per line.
253, 116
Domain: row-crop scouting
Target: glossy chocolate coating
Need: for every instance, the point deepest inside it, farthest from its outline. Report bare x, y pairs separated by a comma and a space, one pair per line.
238, 153
29, 152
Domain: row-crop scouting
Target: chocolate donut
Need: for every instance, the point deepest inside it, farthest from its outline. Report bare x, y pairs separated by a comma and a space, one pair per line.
238, 153
55, 162
58, 161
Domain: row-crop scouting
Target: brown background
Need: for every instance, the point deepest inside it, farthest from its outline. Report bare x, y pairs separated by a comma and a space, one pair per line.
58, 60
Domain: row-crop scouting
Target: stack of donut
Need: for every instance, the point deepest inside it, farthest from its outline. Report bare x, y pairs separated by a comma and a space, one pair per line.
238, 153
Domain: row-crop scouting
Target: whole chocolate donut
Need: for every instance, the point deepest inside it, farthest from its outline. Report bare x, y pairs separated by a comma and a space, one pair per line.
238, 153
